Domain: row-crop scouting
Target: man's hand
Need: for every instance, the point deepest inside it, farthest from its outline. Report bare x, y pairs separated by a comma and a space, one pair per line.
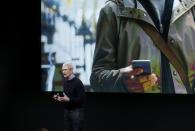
59, 98
55, 96
138, 83
64, 98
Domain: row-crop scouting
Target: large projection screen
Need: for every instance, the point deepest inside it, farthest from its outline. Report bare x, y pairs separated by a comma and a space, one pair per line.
107, 46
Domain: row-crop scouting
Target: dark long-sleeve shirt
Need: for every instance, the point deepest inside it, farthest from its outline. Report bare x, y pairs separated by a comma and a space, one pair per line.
74, 89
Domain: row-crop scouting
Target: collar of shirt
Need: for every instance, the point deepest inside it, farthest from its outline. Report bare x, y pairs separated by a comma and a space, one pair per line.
71, 77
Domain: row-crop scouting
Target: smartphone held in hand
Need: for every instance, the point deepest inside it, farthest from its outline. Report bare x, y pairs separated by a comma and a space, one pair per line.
144, 64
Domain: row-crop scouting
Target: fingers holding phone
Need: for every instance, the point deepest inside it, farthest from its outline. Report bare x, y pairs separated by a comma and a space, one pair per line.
140, 77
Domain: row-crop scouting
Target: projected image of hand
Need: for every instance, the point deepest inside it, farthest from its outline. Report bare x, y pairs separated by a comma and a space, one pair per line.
136, 82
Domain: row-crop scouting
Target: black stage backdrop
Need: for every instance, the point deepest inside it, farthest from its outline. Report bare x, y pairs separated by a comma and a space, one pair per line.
25, 108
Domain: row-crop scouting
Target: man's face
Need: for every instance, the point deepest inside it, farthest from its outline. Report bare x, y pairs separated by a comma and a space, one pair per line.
67, 72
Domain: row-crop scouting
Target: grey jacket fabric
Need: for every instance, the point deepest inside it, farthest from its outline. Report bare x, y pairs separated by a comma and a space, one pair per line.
120, 39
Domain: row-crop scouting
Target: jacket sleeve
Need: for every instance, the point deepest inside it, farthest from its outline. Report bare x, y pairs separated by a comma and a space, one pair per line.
105, 73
